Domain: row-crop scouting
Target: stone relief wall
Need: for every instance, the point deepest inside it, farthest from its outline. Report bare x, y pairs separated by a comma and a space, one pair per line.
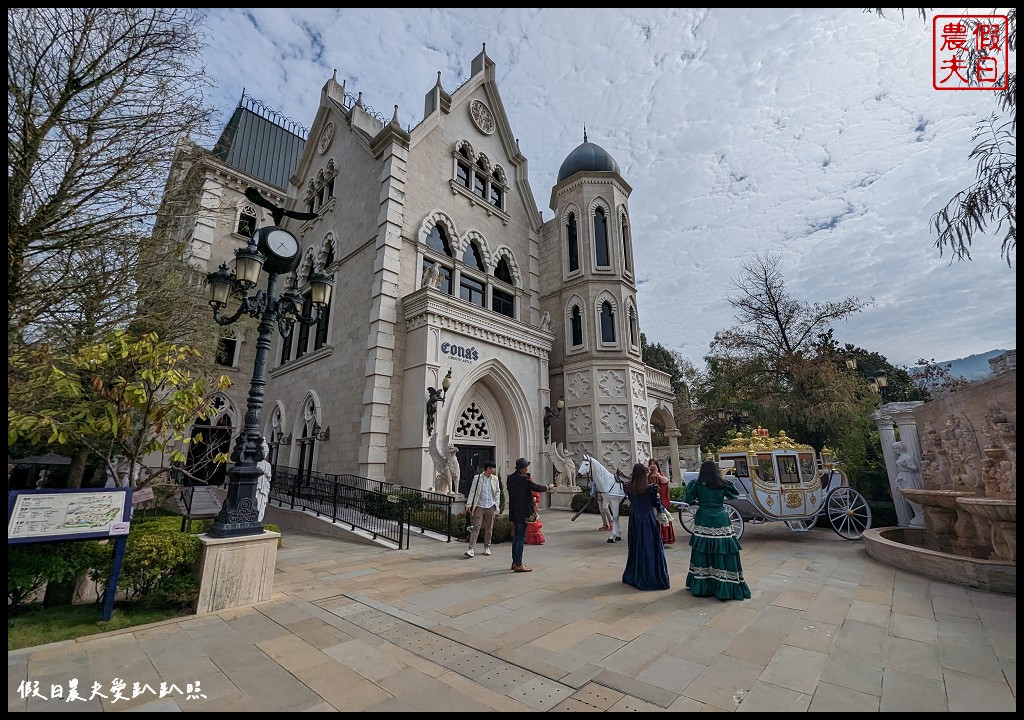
969, 439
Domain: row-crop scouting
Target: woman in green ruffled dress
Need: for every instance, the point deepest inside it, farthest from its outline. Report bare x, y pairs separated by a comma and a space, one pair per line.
715, 569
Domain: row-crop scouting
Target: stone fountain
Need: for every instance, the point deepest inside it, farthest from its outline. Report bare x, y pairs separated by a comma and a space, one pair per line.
958, 523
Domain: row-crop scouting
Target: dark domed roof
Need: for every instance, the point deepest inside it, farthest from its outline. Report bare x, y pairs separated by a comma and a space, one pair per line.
587, 157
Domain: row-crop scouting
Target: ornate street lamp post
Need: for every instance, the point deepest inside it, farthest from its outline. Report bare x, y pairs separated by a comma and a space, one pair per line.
736, 418
550, 415
878, 382
275, 250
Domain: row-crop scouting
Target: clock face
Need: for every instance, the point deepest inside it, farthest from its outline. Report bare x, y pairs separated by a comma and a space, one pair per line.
282, 243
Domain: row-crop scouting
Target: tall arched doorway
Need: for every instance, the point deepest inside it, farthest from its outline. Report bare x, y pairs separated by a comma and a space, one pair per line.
488, 422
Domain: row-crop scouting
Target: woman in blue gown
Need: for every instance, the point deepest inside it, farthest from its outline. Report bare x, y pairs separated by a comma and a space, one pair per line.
715, 569
646, 568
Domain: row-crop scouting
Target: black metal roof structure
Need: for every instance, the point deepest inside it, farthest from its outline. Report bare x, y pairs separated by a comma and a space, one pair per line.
261, 142
587, 157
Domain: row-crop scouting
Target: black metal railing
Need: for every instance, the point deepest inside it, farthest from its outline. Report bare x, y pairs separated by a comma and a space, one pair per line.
382, 509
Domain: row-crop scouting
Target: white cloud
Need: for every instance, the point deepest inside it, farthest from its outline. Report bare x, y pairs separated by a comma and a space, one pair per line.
815, 133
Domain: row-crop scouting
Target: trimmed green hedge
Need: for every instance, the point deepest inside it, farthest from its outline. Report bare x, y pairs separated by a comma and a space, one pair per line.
158, 568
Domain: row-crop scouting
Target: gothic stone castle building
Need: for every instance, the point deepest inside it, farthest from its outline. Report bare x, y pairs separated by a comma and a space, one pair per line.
441, 261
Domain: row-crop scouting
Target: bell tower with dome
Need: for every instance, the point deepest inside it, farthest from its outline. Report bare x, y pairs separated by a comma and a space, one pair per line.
589, 289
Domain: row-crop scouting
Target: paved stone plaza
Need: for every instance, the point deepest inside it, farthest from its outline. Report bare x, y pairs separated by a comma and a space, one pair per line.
354, 627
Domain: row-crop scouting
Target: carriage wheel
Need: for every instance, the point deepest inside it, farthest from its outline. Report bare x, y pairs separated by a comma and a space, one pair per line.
686, 513
848, 512
736, 519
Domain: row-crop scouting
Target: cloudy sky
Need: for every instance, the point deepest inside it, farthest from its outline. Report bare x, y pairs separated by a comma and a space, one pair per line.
814, 134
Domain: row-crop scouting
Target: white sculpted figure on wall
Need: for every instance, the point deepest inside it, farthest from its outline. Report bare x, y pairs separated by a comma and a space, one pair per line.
431, 277
908, 476
446, 464
545, 321
564, 461
263, 482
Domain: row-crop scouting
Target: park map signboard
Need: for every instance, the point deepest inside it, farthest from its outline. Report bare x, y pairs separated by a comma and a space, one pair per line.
73, 514
77, 514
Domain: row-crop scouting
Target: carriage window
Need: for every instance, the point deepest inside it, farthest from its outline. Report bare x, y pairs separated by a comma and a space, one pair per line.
787, 470
807, 467
765, 469
742, 469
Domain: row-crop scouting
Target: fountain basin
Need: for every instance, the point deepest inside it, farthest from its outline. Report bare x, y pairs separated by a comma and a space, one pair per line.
945, 499
990, 508
1001, 517
905, 549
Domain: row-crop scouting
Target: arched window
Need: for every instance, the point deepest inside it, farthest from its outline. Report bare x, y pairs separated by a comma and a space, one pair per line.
286, 346
302, 342
329, 257
502, 272
601, 238
462, 168
497, 198
633, 341
480, 179
576, 322
307, 443
626, 249
472, 257
227, 349
607, 323
208, 441
501, 301
322, 323
573, 248
438, 240
246, 226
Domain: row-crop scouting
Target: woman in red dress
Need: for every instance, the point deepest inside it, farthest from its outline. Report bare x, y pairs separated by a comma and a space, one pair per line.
656, 477
533, 534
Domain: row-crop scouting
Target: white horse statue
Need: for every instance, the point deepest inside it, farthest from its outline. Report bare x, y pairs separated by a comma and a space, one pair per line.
611, 489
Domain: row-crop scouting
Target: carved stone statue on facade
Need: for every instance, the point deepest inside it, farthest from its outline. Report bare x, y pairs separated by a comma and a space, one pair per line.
908, 476
263, 482
566, 464
431, 277
545, 321
999, 466
446, 464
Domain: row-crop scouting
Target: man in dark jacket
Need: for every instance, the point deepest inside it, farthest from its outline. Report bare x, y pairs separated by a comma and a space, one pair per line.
520, 490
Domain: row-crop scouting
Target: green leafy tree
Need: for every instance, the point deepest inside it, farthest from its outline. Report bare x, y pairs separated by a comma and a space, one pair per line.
991, 201
777, 365
126, 397
96, 100
934, 379
679, 370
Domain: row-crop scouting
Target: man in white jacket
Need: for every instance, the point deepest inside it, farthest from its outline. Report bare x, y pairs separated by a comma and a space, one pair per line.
486, 498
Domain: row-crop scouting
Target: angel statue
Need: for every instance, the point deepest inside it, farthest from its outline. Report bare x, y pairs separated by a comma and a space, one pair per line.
446, 464
565, 463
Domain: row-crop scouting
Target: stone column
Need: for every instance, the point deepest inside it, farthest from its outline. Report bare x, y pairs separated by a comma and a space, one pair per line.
900, 414
903, 415
673, 454
887, 436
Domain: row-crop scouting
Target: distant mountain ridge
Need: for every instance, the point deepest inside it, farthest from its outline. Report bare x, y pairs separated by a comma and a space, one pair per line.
972, 367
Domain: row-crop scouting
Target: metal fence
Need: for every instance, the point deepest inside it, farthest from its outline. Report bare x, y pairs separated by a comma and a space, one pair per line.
384, 510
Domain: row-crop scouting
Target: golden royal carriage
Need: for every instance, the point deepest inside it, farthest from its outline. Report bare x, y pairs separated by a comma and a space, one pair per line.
781, 479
